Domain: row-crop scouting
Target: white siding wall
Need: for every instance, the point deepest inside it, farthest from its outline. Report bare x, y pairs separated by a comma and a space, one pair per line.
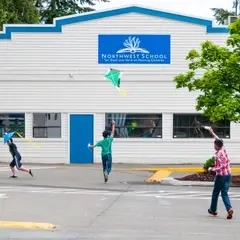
52, 150
168, 150
34, 77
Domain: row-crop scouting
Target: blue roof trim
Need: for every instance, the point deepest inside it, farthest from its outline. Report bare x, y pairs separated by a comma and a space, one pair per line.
98, 15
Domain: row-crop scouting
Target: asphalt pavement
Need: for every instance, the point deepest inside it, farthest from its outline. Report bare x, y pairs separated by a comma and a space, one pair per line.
82, 206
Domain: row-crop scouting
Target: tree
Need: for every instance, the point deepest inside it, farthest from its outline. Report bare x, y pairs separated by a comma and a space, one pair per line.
18, 11
50, 9
215, 73
222, 15
44, 11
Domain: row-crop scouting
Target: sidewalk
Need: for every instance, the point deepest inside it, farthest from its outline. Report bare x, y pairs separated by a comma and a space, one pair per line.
166, 174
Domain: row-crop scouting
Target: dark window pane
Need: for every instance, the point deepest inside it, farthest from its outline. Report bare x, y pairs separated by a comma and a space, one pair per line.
190, 126
135, 125
47, 125
12, 122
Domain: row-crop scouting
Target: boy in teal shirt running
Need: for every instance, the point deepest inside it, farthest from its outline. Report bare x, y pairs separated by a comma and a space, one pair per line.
106, 145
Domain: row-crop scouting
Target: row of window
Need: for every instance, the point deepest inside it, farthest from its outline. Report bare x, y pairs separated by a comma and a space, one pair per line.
48, 125
45, 125
150, 126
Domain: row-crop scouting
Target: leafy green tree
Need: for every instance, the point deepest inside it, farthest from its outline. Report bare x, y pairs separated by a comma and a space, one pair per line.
18, 11
50, 9
214, 73
222, 15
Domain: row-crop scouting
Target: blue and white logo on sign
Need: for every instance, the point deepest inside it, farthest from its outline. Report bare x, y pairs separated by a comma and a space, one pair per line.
132, 46
134, 49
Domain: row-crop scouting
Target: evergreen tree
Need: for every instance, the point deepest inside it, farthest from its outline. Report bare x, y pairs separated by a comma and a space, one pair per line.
18, 11
222, 15
50, 9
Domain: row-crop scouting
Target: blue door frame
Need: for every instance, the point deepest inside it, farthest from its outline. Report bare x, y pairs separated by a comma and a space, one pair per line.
80, 135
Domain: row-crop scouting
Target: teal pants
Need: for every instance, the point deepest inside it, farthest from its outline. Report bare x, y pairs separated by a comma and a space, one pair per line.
107, 163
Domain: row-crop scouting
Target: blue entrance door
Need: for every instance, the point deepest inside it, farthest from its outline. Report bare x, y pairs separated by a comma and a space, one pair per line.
81, 133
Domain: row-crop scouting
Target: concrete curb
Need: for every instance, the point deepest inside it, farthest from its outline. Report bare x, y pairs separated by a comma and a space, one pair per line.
170, 181
173, 182
175, 169
160, 175
28, 225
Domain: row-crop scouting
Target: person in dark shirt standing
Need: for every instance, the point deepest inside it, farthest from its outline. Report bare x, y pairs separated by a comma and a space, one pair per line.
16, 159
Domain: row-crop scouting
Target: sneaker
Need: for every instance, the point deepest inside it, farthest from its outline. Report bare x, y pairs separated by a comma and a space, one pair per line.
13, 176
30, 172
230, 214
105, 177
212, 213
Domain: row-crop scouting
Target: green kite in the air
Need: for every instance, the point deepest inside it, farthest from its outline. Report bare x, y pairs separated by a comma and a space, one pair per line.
115, 77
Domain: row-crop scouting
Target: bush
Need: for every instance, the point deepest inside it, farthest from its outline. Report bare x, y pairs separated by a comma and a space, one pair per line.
209, 163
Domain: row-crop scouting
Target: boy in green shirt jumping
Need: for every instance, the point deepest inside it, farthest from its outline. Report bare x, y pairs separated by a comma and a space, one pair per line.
106, 145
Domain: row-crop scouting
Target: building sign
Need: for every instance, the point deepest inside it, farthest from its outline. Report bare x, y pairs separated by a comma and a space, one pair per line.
134, 49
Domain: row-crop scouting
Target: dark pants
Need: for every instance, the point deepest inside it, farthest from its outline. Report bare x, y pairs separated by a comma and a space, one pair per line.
107, 163
221, 184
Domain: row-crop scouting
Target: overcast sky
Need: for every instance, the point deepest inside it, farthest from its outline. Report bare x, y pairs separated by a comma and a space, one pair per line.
197, 8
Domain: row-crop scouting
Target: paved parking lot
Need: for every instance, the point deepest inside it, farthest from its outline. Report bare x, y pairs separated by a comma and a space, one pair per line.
83, 207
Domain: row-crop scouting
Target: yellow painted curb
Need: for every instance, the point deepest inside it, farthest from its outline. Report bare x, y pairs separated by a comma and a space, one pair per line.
158, 176
141, 169
28, 225
194, 169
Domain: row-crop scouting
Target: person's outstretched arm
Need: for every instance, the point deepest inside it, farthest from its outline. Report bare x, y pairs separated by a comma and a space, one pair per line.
91, 146
113, 128
213, 133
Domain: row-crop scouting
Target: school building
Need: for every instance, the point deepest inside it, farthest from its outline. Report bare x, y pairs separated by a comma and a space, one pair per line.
62, 113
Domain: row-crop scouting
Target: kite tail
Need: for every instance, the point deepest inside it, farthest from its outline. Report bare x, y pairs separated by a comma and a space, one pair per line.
122, 91
27, 140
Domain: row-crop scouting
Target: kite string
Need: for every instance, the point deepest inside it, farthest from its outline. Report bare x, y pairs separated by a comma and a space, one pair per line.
27, 140
73, 73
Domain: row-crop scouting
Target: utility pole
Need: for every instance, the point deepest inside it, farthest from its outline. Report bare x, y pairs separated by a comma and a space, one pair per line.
237, 7
238, 2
